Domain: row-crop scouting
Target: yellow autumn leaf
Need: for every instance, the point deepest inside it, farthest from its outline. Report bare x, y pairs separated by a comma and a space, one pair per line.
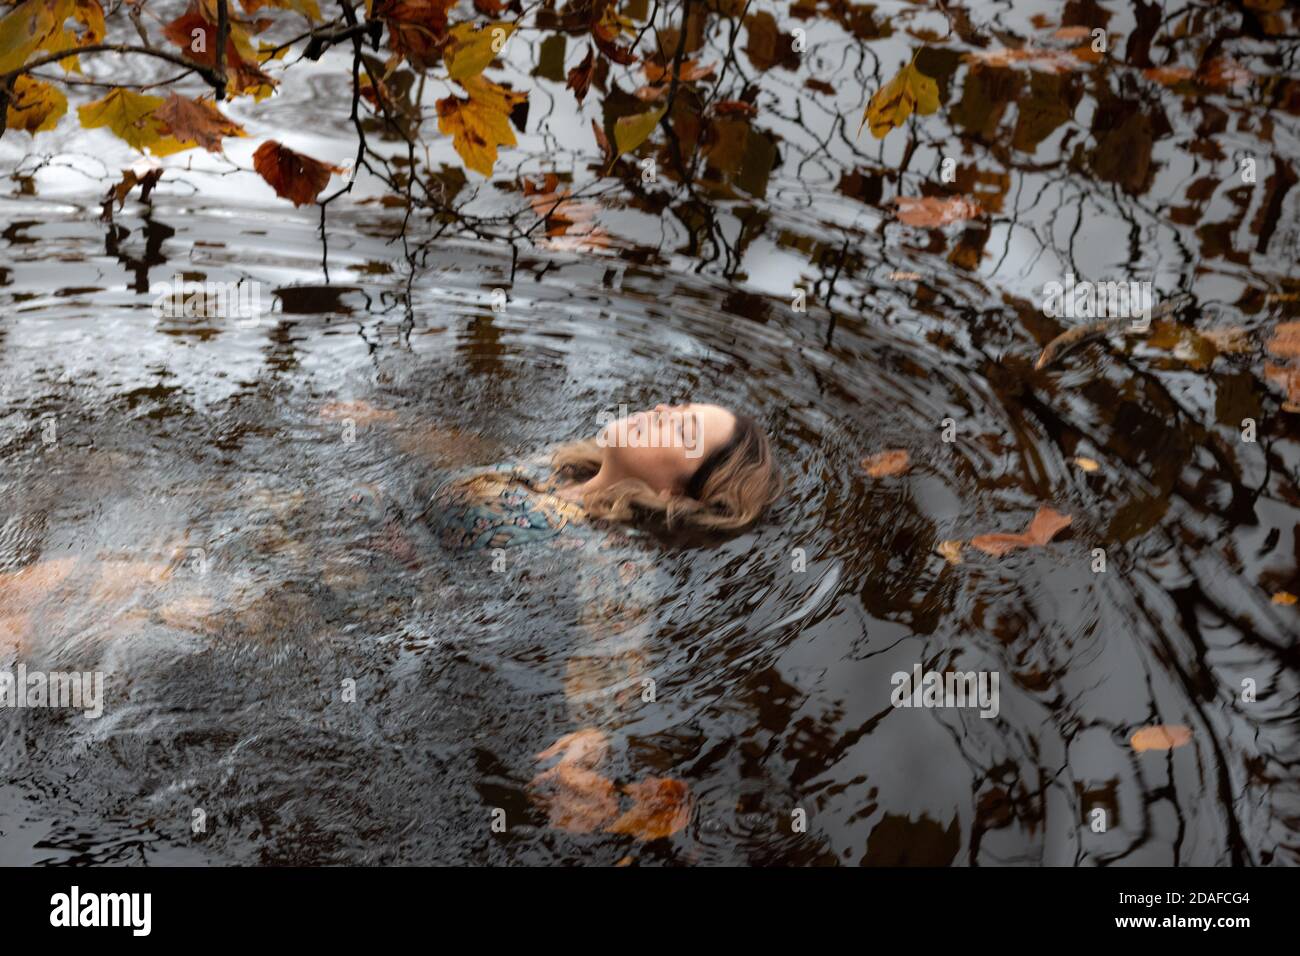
89, 14
910, 91
480, 124
1086, 464
470, 50
1285, 598
35, 106
25, 27
130, 116
1160, 737
631, 131
951, 551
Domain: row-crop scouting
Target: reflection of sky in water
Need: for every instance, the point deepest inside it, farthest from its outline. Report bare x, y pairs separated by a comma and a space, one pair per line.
196, 429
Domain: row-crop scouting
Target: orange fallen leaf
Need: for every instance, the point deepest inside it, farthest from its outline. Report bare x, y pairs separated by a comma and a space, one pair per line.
1284, 598
293, 176
883, 464
735, 108
1044, 526
690, 71
1160, 737
1086, 464
660, 807
930, 211
951, 551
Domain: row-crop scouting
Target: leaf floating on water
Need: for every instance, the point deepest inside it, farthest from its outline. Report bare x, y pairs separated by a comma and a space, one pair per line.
951, 551
932, 211
1045, 526
660, 807
293, 176
1160, 737
886, 463
1086, 464
1285, 598
910, 91
1289, 379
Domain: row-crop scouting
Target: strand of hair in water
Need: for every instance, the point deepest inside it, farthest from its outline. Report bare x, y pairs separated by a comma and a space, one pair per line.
1071, 339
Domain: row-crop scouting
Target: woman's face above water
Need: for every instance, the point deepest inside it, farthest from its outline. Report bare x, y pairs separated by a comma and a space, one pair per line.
665, 445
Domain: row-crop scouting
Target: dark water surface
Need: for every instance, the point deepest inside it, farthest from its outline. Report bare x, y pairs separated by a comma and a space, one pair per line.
206, 529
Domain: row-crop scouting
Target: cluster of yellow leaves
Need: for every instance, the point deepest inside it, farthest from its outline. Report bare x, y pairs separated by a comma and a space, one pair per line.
34, 105
41, 25
162, 126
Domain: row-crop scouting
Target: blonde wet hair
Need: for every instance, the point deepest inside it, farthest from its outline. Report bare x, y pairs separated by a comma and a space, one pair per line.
729, 491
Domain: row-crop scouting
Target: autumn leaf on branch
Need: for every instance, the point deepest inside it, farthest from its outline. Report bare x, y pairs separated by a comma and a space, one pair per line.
34, 105
195, 32
293, 176
480, 124
470, 50
308, 8
145, 178
607, 25
580, 75
41, 25
132, 117
631, 131
910, 91
197, 120
417, 29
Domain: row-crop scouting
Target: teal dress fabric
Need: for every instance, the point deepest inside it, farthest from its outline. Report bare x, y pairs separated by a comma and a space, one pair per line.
613, 572
501, 507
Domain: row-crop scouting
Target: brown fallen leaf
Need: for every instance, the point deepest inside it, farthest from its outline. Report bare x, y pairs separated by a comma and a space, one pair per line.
951, 551
929, 211
1072, 33
893, 461
602, 141
1160, 737
690, 71
1044, 526
293, 176
1285, 598
660, 807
